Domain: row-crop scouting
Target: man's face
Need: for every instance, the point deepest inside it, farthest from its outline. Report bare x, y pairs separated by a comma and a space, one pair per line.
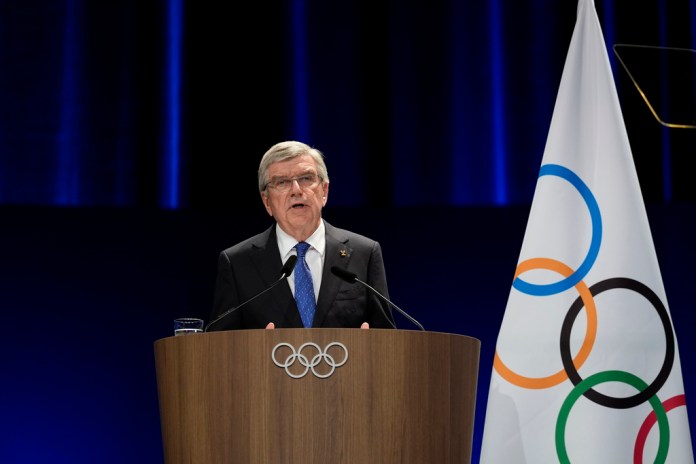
298, 209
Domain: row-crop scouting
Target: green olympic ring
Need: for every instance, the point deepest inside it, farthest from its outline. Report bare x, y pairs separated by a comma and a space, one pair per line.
609, 376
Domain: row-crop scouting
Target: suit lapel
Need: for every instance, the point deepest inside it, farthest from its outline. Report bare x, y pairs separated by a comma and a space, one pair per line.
267, 261
337, 253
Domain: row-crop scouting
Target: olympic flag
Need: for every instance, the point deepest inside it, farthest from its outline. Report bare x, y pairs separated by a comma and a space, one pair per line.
587, 365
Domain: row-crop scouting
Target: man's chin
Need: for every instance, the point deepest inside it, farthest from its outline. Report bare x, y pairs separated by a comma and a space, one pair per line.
302, 220
300, 216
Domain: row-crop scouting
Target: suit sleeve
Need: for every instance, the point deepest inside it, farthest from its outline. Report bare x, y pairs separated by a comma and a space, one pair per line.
225, 296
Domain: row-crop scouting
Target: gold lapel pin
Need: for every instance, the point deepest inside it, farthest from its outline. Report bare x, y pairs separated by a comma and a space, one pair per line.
343, 253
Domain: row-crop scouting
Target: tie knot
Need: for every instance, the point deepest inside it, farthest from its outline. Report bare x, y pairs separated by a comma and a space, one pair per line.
302, 248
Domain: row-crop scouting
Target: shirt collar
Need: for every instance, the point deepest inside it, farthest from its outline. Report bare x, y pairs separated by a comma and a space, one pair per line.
286, 243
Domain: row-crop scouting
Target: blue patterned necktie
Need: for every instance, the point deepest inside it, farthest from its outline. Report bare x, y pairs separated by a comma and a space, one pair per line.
304, 290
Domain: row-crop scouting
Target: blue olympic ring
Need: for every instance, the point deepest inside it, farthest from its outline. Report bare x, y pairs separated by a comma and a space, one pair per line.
596, 218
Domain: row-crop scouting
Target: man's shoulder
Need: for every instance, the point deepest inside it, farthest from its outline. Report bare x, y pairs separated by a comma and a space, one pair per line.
257, 241
344, 235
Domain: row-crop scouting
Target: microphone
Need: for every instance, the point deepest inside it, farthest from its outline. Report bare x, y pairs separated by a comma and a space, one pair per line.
285, 272
351, 278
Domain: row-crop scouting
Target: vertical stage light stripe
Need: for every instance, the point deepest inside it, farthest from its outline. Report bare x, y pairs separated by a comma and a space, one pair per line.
497, 103
300, 90
666, 161
692, 22
609, 30
66, 190
463, 124
459, 124
169, 175
664, 98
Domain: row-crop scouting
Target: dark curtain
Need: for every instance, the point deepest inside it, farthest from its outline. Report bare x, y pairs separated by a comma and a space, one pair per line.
170, 103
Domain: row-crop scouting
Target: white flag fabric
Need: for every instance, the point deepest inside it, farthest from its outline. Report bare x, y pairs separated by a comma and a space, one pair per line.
587, 366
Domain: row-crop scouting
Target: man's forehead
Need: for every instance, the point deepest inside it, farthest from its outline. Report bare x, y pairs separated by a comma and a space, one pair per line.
298, 165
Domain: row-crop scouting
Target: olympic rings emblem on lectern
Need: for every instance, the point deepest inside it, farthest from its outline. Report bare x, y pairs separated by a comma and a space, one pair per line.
304, 360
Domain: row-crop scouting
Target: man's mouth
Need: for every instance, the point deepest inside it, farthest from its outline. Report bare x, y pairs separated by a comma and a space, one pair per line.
298, 205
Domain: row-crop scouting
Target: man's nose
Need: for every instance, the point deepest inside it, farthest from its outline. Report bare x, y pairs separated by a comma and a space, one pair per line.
295, 186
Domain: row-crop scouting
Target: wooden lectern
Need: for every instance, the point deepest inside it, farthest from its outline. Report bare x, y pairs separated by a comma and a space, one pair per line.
324, 396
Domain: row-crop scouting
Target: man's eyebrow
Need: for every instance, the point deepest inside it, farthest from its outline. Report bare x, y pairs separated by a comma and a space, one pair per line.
309, 171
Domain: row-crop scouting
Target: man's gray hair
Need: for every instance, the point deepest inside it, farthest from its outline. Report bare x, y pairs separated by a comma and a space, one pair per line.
287, 150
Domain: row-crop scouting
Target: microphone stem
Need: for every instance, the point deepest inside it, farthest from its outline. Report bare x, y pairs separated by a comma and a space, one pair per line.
401, 311
231, 310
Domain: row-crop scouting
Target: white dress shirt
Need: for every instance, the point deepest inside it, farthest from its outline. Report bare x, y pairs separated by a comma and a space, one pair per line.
314, 257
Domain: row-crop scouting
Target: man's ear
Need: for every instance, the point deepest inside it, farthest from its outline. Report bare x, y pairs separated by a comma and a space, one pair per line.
325, 195
266, 202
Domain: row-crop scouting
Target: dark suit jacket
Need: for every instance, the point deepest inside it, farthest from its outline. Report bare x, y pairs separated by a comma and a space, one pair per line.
253, 265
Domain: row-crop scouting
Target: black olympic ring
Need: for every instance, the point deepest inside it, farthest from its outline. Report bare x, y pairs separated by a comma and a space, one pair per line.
660, 379
316, 359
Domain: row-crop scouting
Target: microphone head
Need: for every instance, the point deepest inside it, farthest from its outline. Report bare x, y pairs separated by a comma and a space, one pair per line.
288, 267
344, 274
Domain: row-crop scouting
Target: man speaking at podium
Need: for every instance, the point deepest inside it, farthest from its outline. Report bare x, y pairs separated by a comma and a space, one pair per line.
282, 277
